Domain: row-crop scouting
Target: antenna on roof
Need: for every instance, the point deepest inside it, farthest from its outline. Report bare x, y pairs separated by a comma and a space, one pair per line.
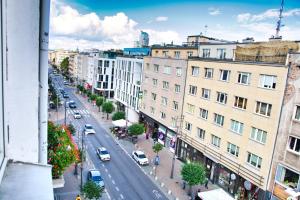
279, 25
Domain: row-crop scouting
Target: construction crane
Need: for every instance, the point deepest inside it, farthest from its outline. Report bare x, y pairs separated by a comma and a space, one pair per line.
279, 25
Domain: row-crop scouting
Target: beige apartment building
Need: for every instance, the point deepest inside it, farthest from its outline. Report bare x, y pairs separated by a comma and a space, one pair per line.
231, 116
163, 89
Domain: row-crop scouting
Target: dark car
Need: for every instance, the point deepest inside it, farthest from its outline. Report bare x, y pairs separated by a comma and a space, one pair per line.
65, 95
95, 176
72, 104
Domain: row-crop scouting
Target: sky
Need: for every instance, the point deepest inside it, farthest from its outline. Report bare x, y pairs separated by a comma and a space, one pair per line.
116, 24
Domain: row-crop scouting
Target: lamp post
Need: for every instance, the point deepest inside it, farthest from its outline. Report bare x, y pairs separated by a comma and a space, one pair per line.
175, 145
82, 160
65, 103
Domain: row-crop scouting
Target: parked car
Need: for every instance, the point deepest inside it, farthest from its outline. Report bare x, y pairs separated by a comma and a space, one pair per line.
77, 115
89, 129
65, 95
140, 157
103, 154
72, 104
95, 176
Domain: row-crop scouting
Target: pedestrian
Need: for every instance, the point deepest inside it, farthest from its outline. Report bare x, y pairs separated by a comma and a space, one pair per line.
78, 197
206, 183
197, 196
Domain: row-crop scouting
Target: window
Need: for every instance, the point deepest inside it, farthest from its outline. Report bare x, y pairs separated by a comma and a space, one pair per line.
190, 53
240, 102
177, 88
165, 85
177, 54
215, 140
203, 113
297, 114
219, 119
201, 133
188, 126
152, 110
164, 101
233, 149
221, 53
145, 93
178, 71
173, 122
206, 53
267, 81
237, 126
263, 108
258, 135
175, 105
205, 93
254, 160
221, 97
224, 75
192, 90
287, 177
153, 96
154, 81
155, 68
208, 73
195, 71
147, 66
191, 108
162, 115
165, 53
244, 78
294, 144
167, 70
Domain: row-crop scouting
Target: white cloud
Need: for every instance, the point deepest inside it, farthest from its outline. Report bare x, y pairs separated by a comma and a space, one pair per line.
161, 19
214, 11
268, 14
71, 29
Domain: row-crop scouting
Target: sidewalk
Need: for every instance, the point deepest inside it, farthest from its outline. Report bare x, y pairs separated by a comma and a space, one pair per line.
171, 187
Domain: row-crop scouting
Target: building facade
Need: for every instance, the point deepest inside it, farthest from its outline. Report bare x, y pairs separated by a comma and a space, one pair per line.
231, 112
81, 61
218, 50
127, 85
285, 171
144, 39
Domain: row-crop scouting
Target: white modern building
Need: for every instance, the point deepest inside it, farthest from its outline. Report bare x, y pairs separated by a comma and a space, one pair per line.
127, 82
24, 173
104, 76
81, 63
219, 50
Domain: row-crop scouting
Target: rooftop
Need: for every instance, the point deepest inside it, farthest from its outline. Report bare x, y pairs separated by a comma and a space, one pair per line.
26, 181
172, 46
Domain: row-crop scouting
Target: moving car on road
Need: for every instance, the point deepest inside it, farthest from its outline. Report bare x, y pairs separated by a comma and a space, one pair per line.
140, 157
77, 115
103, 154
65, 95
72, 104
95, 176
89, 129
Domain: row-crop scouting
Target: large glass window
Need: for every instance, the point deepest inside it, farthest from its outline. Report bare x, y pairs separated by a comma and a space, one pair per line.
297, 114
263, 108
294, 144
258, 135
267, 81
287, 177
236, 126
254, 160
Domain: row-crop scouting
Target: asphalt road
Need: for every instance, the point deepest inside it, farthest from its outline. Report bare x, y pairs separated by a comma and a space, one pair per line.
123, 177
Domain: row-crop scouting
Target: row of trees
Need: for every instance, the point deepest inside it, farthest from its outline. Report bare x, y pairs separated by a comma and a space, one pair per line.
53, 95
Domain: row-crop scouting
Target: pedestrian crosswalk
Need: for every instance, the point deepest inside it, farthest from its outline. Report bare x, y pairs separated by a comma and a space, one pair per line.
81, 111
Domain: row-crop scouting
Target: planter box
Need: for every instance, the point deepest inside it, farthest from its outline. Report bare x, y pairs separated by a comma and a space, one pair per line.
58, 182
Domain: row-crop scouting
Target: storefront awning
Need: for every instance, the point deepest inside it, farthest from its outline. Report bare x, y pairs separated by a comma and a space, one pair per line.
218, 194
121, 123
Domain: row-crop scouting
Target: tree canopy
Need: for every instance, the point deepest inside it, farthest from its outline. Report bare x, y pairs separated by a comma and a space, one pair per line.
136, 129
108, 107
118, 115
91, 190
193, 173
157, 147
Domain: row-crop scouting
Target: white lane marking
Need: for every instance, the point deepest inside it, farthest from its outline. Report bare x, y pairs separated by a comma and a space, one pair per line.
121, 196
117, 189
113, 181
157, 194
109, 175
102, 165
107, 193
106, 170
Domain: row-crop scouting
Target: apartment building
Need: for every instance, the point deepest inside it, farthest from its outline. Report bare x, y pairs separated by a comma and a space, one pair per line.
163, 91
231, 115
81, 62
24, 173
73, 71
57, 56
285, 171
127, 85
218, 50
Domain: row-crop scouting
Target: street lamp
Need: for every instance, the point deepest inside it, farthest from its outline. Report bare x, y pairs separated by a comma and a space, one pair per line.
65, 103
82, 158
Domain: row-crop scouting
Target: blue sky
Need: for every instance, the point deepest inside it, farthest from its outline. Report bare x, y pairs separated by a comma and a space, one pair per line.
96, 22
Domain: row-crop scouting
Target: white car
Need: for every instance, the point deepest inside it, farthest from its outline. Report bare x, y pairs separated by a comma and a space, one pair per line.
77, 115
103, 154
89, 129
140, 157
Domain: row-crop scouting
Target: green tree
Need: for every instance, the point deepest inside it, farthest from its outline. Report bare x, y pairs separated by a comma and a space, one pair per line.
193, 174
64, 66
136, 129
93, 97
118, 115
89, 93
91, 190
99, 102
157, 147
72, 129
108, 108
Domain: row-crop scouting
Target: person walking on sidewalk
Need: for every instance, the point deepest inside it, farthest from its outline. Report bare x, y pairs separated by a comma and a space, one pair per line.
78, 197
206, 183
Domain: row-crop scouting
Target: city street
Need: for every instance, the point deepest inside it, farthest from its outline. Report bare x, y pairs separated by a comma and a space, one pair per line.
122, 176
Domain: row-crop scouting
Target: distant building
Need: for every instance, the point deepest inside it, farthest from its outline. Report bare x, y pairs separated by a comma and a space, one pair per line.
144, 39
195, 40
143, 51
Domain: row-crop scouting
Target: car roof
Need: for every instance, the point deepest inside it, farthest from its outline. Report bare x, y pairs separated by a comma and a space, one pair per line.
102, 148
95, 172
139, 152
88, 125
77, 113
71, 101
